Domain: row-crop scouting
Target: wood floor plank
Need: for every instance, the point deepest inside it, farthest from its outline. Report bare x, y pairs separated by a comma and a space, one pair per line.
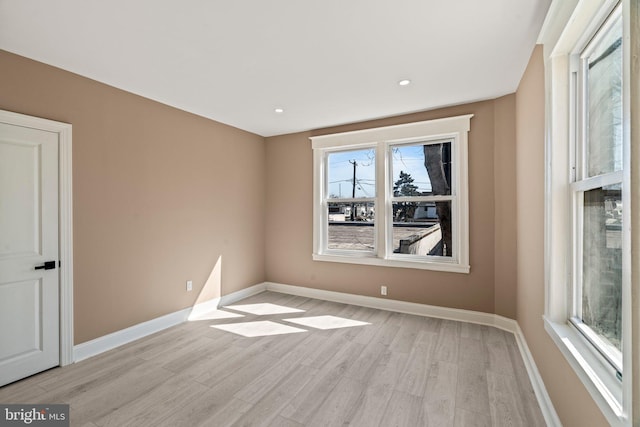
327, 350
386, 333
407, 334
413, 379
263, 411
339, 405
259, 387
289, 343
448, 341
182, 358
471, 330
473, 352
498, 352
439, 402
85, 374
208, 409
472, 390
371, 408
281, 421
304, 405
399, 369
366, 361
403, 410
24, 391
99, 401
154, 406
206, 369
225, 415
506, 409
466, 418
232, 384
242, 359
370, 333
77, 383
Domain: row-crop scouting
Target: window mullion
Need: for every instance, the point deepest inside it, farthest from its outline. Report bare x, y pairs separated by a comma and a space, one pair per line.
383, 205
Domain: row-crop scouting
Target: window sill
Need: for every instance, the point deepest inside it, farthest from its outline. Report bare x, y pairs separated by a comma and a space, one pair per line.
597, 376
387, 262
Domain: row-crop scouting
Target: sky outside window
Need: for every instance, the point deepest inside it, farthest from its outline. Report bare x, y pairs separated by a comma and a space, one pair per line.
341, 165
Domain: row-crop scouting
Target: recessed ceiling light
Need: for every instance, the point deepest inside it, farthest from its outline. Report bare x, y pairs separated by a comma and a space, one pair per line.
404, 82
279, 110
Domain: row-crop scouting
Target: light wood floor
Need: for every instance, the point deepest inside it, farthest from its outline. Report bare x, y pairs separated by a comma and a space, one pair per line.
399, 370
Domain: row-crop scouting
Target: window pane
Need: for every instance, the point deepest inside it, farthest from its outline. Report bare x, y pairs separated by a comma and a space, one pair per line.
422, 169
422, 228
604, 147
351, 234
602, 262
352, 174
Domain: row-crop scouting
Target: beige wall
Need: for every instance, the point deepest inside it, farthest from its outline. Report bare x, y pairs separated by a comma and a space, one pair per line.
571, 400
504, 156
289, 221
160, 196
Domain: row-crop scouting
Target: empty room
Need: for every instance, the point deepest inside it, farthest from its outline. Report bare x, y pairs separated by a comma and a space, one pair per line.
294, 213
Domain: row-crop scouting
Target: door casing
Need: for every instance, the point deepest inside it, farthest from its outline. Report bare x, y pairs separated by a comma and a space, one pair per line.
65, 226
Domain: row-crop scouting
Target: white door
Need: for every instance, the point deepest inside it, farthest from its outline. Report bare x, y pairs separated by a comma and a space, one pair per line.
29, 319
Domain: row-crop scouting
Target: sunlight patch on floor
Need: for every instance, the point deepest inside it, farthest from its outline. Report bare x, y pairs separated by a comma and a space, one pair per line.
215, 315
326, 322
264, 309
258, 329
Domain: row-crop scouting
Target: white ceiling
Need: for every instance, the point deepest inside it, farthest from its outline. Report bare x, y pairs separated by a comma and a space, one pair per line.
325, 62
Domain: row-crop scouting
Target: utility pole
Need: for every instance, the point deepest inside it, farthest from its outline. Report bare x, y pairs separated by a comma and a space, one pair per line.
353, 192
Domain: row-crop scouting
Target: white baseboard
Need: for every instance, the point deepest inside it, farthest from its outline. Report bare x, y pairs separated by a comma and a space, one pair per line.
124, 336
398, 306
141, 330
504, 323
544, 400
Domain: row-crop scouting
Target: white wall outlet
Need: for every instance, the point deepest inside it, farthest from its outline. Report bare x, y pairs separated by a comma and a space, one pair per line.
383, 290
189, 285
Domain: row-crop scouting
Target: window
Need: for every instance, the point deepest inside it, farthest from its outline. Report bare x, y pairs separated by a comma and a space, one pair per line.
588, 193
596, 191
421, 198
351, 203
394, 196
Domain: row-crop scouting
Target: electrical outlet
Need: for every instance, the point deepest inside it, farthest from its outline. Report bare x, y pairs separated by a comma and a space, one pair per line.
189, 285
383, 290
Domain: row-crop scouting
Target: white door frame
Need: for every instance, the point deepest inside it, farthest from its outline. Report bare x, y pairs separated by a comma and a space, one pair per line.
65, 226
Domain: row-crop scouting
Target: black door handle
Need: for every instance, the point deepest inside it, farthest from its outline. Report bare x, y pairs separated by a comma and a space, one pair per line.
48, 265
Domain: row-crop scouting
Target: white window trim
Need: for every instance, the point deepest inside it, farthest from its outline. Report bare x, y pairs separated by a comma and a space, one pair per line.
569, 23
455, 129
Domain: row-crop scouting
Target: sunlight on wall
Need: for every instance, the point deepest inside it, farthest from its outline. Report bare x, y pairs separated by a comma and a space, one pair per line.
211, 293
213, 286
